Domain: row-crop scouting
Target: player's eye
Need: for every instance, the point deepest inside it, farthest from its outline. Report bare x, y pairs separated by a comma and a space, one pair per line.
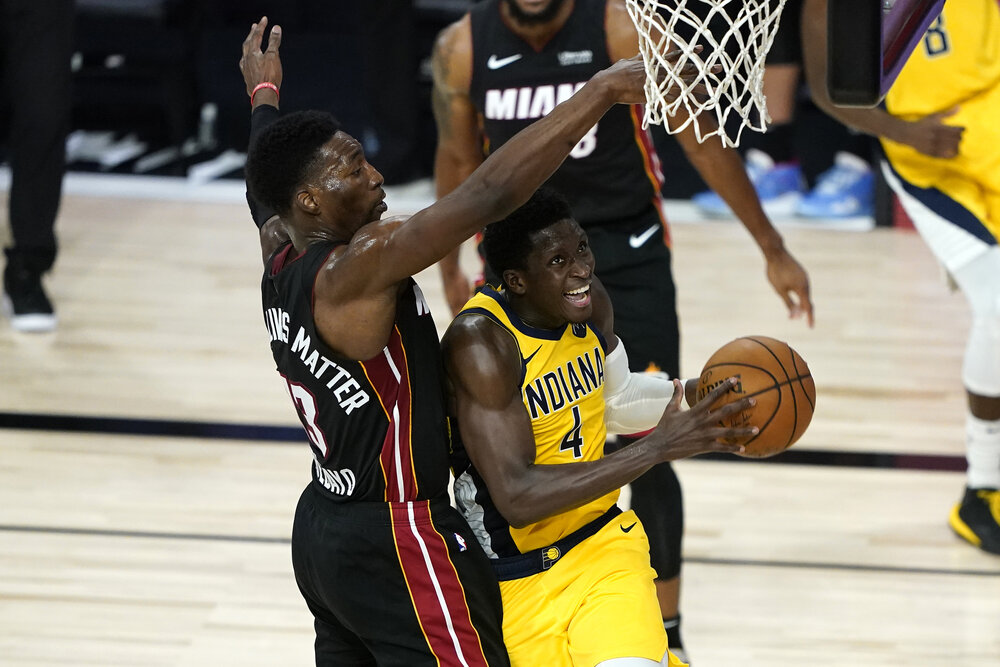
583, 246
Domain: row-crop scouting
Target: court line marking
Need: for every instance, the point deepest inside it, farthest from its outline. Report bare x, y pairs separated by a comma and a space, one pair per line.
295, 435
701, 560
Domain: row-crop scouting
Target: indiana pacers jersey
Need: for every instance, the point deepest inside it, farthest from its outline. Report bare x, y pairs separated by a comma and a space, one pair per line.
562, 388
956, 65
958, 58
377, 428
613, 173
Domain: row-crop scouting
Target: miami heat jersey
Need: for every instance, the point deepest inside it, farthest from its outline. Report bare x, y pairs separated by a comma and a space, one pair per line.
562, 388
613, 172
377, 428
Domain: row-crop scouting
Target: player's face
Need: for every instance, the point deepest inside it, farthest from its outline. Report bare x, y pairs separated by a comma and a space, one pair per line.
555, 285
534, 12
346, 187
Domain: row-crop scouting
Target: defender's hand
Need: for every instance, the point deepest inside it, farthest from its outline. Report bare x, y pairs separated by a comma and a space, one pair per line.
261, 66
628, 78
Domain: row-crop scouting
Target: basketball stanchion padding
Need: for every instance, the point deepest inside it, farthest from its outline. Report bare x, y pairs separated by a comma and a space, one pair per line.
777, 377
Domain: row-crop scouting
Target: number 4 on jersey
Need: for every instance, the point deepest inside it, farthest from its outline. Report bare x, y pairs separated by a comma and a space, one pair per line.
573, 440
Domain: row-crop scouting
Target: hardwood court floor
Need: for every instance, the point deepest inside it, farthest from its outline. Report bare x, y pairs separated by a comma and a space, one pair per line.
119, 546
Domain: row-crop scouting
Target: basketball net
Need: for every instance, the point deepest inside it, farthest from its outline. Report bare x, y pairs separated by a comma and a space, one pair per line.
735, 34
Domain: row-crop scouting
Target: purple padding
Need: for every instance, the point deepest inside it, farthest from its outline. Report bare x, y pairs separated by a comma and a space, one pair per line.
903, 27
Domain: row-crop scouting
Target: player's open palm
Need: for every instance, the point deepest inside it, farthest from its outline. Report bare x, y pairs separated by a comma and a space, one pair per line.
683, 433
260, 66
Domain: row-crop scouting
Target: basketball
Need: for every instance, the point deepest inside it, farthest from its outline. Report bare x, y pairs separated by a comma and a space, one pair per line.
777, 377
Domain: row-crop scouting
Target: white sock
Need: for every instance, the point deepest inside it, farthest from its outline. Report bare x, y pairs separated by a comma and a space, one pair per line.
982, 449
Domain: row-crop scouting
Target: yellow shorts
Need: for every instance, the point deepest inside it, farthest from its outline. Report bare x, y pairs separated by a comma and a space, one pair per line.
596, 603
973, 178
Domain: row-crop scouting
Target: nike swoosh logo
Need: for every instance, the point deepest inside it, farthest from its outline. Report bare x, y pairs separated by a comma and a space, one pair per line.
625, 529
497, 63
638, 240
531, 356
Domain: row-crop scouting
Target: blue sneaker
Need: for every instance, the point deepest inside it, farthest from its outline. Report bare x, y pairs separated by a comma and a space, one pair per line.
779, 187
845, 190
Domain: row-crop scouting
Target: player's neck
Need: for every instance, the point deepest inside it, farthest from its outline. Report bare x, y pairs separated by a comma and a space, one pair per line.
538, 34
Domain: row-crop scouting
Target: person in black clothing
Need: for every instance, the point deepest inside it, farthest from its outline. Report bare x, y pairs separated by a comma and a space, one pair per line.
391, 573
506, 64
37, 44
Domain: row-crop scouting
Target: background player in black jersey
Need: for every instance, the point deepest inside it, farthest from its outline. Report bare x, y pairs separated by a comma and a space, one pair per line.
389, 570
504, 65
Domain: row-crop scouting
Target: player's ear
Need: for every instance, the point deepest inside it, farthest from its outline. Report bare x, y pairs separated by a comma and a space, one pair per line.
514, 281
305, 201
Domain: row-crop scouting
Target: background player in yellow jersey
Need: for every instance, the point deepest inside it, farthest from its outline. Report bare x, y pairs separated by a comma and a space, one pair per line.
537, 377
941, 135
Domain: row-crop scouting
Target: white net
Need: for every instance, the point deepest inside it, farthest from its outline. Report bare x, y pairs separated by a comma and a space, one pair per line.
735, 35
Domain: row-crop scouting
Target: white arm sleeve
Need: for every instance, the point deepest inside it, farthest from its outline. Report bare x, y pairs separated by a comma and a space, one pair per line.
634, 402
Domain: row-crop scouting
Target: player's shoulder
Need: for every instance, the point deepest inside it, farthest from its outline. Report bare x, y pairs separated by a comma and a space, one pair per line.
452, 57
455, 40
622, 39
481, 350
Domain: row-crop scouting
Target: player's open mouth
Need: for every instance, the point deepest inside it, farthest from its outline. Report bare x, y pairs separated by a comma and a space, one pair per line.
579, 296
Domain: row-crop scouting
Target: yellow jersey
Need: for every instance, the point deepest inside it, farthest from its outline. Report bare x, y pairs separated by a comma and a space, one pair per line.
562, 388
957, 59
956, 66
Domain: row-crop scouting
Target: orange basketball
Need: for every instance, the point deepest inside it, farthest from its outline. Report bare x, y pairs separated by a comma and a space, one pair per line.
777, 377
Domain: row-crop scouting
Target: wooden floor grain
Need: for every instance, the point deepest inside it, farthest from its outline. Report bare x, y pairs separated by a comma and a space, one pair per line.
155, 550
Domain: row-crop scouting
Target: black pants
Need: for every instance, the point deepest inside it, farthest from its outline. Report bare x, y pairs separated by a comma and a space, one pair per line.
37, 42
396, 584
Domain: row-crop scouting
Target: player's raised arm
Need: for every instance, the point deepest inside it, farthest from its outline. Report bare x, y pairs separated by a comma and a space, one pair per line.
510, 175
929, 135
262, 74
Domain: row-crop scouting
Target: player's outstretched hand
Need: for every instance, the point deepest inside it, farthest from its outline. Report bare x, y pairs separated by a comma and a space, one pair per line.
791, 283
629, 78
932, 137
260, 66
685, 433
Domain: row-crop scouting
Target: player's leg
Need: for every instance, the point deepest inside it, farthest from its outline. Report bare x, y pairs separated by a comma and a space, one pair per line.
969, 251
616, 619
977, 517
640, 283
428, 595
38, 44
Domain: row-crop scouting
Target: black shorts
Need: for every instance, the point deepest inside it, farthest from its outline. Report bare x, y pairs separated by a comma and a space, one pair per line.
402, 584
633, 263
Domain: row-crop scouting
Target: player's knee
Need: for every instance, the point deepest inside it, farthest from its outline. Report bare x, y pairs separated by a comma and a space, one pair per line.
981, 368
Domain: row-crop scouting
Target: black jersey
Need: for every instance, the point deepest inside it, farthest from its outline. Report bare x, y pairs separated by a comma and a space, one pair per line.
613, 172
377, 428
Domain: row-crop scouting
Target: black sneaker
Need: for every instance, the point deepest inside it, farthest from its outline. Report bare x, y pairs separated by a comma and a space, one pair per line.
26, 304
977, 519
